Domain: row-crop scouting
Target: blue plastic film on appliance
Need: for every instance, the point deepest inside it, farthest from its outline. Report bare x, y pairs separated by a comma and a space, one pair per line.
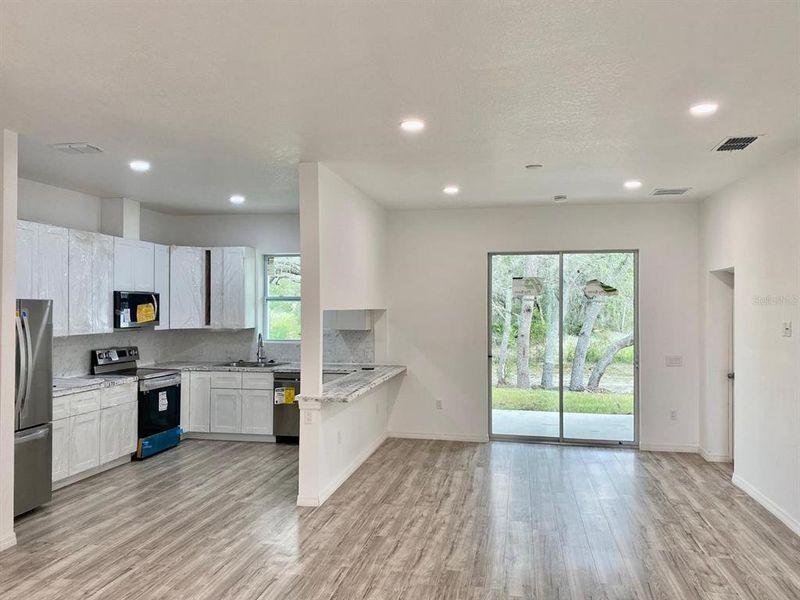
158, 442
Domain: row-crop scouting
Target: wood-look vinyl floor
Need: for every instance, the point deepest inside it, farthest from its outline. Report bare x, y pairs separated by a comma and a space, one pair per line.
419, 520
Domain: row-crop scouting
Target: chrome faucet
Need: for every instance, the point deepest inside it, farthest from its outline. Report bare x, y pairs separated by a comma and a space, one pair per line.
260, 355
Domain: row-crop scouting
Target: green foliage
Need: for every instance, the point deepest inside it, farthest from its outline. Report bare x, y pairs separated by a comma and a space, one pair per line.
574, 402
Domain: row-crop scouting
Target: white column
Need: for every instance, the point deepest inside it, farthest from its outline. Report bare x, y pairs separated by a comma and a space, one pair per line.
309, 482
8, 297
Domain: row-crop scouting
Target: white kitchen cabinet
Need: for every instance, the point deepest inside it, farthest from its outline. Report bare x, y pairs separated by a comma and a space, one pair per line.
258, 381
226, 411
226, 379
187, 279
129, 434
91, 264
27, 261
186, 401
233, 288
52, 266
257, 408
161, 276
348, 320
110, 429
134, 263
61, 449
84, 442
200, 402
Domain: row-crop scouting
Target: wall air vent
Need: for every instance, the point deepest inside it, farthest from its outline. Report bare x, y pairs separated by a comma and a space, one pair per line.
77, 148
736, 143
670, 191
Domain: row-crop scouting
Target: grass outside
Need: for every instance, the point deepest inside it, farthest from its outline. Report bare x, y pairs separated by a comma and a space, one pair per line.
574, 402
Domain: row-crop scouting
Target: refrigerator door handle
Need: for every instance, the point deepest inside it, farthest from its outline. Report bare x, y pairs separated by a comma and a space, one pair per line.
23, 367
28, 361
30, 435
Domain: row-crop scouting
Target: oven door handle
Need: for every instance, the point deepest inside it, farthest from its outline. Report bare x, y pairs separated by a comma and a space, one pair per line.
146, 385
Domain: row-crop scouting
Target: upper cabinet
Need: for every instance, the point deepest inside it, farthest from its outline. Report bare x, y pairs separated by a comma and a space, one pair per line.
42, 268
187, 287
161, 277
233, 288
134, 263
91, 292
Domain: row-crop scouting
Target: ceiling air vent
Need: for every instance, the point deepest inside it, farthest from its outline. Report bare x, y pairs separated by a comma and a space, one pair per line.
736, 143
77, 148
670, 191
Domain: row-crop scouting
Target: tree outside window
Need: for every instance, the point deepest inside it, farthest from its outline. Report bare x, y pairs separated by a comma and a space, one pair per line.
282, 297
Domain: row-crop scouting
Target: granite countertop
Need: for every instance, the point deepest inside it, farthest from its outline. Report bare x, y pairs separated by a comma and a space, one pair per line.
63, 386
278, 367
355, 384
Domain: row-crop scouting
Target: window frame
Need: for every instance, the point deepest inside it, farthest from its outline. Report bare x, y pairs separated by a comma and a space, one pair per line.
268, 298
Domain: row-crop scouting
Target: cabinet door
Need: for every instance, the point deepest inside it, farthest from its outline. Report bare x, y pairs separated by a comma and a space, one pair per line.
226, 411
200, 404
186, 400
187, 287
161, 284
27, 263
123, 264
81, 282
60, 449
102, 283
257, 407
233, 284
217, 291
84, 442
110, 434
53, 274
129, 420
143, 267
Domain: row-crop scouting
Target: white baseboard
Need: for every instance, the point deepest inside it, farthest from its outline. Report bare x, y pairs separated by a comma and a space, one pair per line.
8, 541
334, 485
228, 437
447, 437
776, 510
708, 457
668, 448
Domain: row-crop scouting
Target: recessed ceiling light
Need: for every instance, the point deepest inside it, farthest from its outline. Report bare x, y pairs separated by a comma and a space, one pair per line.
533, 166
704, 109
412, 125
237, 199
633, 184
140, 166
451, 190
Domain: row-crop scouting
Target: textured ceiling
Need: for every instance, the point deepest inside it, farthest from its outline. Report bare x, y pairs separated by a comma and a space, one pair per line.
227, 97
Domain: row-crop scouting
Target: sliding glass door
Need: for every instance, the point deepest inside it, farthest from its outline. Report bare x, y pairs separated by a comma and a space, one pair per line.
563, 347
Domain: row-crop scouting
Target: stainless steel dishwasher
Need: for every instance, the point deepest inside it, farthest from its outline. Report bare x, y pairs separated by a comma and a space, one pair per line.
286, 417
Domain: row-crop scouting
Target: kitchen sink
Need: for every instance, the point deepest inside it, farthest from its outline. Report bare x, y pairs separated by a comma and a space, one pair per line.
245, 363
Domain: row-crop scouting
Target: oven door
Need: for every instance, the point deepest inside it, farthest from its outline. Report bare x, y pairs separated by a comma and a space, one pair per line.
159, 405
136, 309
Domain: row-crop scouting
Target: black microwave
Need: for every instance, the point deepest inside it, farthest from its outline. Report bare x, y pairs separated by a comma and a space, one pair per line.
136, 309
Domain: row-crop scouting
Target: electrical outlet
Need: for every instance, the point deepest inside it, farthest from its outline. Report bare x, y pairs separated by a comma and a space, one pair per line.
673, 415
787, 329
438, 405
308, 417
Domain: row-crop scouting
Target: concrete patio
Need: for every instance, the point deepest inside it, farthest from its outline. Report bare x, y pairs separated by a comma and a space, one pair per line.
585, 426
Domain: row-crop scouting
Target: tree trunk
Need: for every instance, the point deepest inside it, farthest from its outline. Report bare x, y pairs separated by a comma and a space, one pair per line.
551, 341
605, 360
524, 331
502, 374
582, 346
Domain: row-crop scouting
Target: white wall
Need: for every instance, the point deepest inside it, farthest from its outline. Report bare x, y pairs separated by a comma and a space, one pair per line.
753, 227
44, 203
437, 308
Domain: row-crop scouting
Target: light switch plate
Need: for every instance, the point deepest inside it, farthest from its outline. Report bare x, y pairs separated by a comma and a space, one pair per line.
674, 360
787, 329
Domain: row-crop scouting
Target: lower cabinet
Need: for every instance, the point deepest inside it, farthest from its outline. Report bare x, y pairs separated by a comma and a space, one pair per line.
84, 442
226, 411
228, 402
93, 436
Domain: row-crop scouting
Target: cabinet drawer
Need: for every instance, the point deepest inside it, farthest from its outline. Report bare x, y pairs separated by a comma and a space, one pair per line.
226, 380
84, 402
118, 394
61, 407
257, 381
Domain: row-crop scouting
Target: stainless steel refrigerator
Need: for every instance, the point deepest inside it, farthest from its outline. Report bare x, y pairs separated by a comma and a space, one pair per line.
33, 437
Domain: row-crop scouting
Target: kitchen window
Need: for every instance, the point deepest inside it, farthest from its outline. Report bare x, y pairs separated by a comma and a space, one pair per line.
282, 297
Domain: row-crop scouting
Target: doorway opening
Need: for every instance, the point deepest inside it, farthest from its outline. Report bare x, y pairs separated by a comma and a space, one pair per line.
718, 408
563, 347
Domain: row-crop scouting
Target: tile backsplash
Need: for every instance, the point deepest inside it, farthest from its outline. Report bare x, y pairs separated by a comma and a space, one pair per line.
71, 355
